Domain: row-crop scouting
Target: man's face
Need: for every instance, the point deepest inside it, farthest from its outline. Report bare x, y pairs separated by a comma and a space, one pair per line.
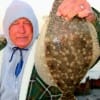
21, 32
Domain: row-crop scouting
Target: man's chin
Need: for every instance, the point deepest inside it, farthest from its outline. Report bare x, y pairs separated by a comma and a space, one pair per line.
21, 45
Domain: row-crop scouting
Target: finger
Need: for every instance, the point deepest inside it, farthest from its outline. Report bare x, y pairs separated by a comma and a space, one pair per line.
86, 10
58, 13
83, 13
64, 7
66, 18
91, 17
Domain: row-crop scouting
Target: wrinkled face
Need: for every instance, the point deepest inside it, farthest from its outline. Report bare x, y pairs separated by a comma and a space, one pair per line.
21, 32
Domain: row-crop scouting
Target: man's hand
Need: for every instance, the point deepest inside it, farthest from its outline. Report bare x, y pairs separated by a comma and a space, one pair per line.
71, 8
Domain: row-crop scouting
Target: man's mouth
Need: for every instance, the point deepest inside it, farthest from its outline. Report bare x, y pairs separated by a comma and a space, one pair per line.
22, 37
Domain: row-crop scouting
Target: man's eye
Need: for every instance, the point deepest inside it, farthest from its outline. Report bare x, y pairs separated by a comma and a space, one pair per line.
27, 23
15, 23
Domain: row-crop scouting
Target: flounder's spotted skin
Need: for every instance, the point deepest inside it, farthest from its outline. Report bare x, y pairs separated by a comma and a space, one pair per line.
68, 51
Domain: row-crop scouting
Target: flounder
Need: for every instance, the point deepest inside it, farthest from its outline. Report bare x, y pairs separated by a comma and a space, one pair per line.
65, 51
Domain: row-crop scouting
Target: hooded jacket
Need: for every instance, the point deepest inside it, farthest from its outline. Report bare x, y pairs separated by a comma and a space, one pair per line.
9, 84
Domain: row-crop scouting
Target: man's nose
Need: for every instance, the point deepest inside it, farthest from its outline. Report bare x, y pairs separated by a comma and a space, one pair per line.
22, 28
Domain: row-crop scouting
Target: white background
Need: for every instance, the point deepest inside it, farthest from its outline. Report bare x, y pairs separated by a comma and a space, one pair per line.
41, 8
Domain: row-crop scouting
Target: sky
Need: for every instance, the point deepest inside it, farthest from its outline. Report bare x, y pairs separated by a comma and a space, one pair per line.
41, 8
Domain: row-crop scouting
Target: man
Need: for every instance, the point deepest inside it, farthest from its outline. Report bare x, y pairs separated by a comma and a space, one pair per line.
20, 27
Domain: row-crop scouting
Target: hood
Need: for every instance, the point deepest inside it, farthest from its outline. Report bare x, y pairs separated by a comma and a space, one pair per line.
18, 9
